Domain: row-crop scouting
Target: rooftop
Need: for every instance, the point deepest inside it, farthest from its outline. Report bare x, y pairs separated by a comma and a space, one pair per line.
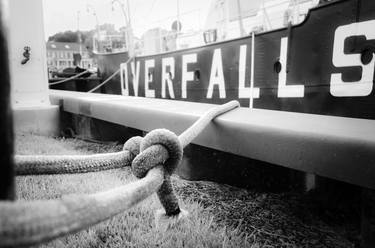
61, 46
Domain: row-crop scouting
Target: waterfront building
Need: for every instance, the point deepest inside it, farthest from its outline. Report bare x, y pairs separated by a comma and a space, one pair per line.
61, 55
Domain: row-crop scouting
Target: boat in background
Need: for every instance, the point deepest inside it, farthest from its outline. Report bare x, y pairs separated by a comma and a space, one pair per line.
322, 65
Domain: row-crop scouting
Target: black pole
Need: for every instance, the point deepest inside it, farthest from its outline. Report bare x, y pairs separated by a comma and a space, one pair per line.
6, 122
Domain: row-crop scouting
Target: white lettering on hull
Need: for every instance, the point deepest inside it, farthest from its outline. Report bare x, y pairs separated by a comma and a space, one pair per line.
187, 75
135, 75
217, 75
170, 83
283, 89
364, 86
124, 79
167, 77
243, 91
149, 77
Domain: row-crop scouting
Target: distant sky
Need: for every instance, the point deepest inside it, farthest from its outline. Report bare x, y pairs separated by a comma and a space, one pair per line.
61, 15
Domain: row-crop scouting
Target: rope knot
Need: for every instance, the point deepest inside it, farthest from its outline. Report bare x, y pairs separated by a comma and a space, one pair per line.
159, 146
133, 145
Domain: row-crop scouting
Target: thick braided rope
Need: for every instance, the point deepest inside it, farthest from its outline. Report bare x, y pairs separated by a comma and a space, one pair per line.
163, 146
33, 222
62, 164
194, 130
65, 164
28, 223
160, 147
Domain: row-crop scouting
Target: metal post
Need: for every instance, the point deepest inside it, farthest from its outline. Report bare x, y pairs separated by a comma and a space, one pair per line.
6, 125
252, 70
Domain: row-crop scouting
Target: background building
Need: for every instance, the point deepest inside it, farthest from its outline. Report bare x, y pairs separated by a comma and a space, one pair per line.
61, 55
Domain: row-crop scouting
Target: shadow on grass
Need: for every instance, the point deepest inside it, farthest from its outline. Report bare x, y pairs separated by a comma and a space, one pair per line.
220, 215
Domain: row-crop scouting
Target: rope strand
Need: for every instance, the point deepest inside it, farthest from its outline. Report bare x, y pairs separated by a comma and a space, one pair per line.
109, 78
193, 131
153, 157
68, 79
27, 223
104, 82
57, 164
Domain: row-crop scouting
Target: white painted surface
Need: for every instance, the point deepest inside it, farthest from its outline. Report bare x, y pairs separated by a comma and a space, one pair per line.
135, 73
254, 91
167, 77
187, 75
363, 87
29, 81
297, 90
239, 129
243, 91
217, 75
124, 79
149, 78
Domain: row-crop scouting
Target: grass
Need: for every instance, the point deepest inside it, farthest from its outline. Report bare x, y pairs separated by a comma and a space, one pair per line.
220, 215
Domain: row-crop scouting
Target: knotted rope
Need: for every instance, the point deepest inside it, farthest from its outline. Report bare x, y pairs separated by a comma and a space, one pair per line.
154, 159
160, 146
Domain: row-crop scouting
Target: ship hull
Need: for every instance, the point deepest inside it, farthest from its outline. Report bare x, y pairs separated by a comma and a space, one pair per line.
324, 65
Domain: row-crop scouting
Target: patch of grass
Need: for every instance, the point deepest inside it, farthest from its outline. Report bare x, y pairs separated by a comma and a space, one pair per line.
220, 215
133, 228
26, 143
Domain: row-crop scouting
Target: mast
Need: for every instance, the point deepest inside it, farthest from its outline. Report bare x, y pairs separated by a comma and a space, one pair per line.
79, 35
178, 16
88, 7
242, 30
128, 29
130, 32
265, 17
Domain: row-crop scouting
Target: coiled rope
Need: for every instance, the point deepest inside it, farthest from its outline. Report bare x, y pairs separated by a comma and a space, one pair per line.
154, 159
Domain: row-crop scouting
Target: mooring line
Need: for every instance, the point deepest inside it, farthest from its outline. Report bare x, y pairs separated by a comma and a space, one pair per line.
153, 159
68, 79
104, 82
25, 223
109, 78
96, 87
64, 164
192, 132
